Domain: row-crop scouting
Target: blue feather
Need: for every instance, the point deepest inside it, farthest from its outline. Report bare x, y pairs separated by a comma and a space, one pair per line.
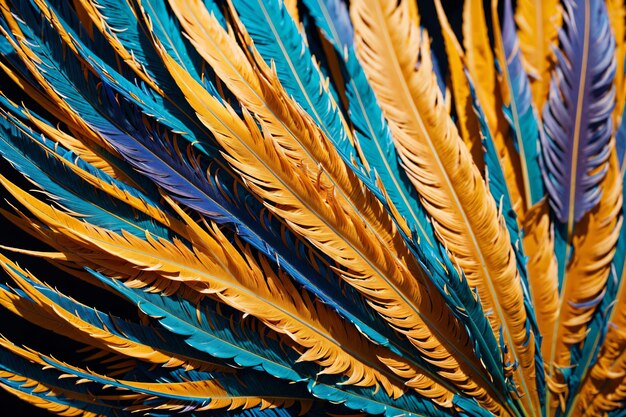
577, 116
520, 112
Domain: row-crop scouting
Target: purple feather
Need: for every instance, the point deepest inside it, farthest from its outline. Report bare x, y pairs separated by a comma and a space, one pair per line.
577, 116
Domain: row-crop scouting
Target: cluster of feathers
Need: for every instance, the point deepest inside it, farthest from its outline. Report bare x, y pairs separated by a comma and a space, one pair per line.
299, 208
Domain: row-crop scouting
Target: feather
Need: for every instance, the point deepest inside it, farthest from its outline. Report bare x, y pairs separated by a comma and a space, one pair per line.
479, 62
576, 118
586, 278
518, 107
616, 11
467, 123
277, 40
452, 172
311, 217
538, 28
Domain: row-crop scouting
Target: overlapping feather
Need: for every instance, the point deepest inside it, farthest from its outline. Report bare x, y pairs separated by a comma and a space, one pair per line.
283, 201
449, 171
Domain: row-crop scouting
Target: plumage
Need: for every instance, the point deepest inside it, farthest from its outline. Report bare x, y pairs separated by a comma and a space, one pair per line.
276, 208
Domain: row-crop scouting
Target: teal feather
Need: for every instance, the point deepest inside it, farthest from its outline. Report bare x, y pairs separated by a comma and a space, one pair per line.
278, 40
520, 113
224, 338
376, 145
499, 191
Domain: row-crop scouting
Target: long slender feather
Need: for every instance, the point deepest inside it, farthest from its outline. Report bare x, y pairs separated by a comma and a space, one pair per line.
518, 107
451, 187
467, 123
479, 61
587, 275
577, 120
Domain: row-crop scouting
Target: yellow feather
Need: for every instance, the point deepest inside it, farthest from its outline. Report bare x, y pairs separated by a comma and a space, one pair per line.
468, 123
397, 62
538, 24
315, 215
47, 314
480, 59
617, 15
216, 267
538, 244
480, 64
585, 278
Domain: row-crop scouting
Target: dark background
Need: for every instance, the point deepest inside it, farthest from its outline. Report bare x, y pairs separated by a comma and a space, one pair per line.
18, 330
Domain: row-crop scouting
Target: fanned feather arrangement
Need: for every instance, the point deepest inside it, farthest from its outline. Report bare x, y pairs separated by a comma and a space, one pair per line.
283, 208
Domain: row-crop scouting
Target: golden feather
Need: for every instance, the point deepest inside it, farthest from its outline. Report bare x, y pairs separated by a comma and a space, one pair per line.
440, 167
593, 246
538, 24
468, 124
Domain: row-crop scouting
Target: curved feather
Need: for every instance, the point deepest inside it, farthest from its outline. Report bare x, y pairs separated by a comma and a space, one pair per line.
467, 123
451, 187
277, 40
480, 65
